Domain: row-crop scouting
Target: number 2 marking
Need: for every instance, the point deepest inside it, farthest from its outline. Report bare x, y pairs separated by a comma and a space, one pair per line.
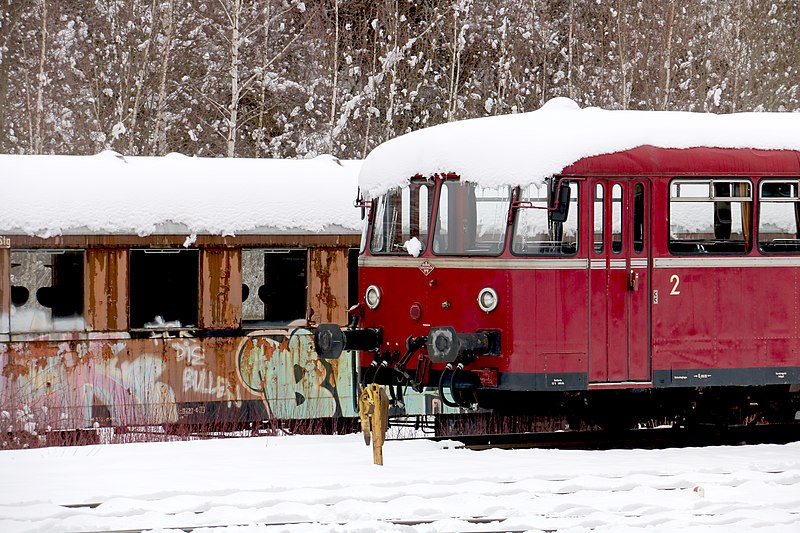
676, 280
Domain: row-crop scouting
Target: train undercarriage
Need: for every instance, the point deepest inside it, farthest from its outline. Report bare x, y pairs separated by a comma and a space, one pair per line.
614, 409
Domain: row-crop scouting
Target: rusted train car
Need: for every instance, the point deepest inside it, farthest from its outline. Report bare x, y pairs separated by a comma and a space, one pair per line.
173, 290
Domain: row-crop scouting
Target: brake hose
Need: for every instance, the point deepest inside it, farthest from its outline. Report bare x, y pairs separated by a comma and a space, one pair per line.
441, 386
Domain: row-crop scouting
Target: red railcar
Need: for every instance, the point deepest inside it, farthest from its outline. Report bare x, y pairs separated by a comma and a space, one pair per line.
649, 282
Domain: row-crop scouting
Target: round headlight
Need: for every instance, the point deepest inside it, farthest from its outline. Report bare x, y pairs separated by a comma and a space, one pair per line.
373, 296
487, 299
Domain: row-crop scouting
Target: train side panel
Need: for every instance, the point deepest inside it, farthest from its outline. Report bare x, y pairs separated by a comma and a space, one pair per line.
119, 381
726, 325
549, 327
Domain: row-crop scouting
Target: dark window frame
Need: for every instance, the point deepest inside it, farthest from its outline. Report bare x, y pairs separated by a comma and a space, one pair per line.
62, 301
284, 293
157, 291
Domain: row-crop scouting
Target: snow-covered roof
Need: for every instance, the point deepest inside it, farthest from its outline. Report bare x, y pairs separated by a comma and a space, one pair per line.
47, 195
528, 147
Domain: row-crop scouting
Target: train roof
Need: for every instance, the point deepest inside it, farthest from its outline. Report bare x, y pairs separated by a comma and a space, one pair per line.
51, 195
526, 148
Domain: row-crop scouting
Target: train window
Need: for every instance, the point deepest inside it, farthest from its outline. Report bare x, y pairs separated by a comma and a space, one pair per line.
599, 218
638, 218
362, 246
779, 216
616, 218
710, 216
273, 286
471, 219
164, 288
535, 233
352, 277
402, 219
252, 281
47, 290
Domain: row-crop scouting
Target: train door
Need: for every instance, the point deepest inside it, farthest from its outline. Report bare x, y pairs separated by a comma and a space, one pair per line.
619, 280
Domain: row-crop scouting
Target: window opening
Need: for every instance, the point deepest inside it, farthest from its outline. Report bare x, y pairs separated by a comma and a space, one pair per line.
274, 286
779, 216
164, 288
535, 233
471, 219
362, 247
710, 216
47, 290
638, 218
599, 218
352, 277
402, 218
616, 218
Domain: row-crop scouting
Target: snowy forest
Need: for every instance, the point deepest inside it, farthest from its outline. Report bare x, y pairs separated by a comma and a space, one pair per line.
291, 78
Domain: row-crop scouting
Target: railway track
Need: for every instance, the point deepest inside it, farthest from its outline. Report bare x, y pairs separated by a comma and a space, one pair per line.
656, 438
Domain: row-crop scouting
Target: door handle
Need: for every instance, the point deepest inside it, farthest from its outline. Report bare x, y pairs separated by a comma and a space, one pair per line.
633, 280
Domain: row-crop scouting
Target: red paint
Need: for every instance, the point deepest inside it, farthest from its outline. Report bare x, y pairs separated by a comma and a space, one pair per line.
604, 321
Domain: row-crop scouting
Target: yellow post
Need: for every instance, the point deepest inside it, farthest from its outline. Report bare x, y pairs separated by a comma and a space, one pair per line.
373, 409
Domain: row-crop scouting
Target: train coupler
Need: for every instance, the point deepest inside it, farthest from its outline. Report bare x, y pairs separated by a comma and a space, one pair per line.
446, 345
330, 340
373, 410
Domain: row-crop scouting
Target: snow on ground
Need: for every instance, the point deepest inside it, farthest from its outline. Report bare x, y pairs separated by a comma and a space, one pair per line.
328, 483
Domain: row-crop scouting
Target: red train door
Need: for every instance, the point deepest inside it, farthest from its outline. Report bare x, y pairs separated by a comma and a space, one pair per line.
619, 280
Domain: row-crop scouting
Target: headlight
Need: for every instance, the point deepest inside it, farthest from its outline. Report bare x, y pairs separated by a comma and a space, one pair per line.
487, 299
373, 297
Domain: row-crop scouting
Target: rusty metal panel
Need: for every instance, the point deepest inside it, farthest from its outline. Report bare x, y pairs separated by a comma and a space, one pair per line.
279, 240
293, 381
5, 288
220, 288
106, 295
118, 381
327, 285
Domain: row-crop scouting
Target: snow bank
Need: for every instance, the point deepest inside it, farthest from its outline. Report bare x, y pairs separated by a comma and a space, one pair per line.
528, 147
46, 195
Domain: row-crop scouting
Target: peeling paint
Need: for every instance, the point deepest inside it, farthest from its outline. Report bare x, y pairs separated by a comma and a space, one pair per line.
117, 381
325, 295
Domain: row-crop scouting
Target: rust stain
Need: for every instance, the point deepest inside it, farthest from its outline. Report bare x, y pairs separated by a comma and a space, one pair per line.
325, 295
105, 351
14, 367
5, 282
106, 280
221, 288
270, 349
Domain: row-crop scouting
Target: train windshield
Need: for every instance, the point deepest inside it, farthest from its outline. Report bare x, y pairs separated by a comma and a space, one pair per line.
471, 220
535, 230
402, 219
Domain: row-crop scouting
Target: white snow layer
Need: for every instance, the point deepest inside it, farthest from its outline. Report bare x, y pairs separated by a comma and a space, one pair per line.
47, 195
526, 148
323, 484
